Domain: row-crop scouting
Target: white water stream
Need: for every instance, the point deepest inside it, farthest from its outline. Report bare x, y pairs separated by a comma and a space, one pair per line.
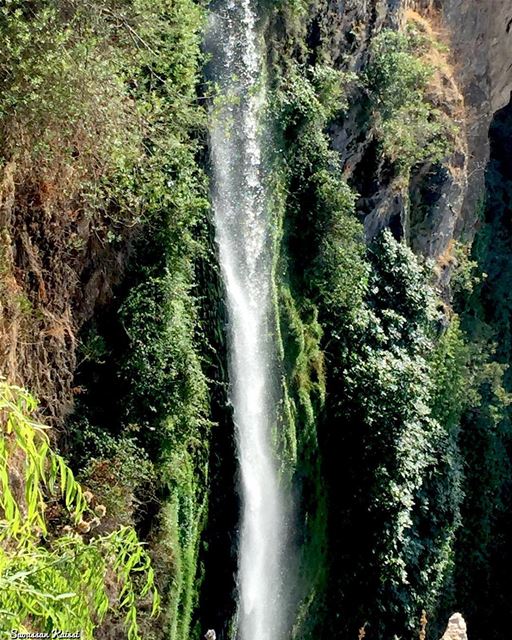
243, 232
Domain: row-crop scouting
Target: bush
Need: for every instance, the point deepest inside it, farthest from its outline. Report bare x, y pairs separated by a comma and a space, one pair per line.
411, 130
99, 125
381, 419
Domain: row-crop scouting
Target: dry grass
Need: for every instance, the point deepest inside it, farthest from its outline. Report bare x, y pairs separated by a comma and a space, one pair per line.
48, 243
443, 86
447, 258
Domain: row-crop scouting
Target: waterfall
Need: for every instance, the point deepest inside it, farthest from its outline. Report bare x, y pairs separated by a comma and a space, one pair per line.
244, 237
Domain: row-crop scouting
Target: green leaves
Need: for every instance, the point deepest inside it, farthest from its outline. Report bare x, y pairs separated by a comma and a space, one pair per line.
100, 116
411, 130
383, 424
61, 583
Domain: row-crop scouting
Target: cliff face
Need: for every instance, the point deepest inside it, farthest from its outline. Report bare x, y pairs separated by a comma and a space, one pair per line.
116, 309
426, 207
480, 38
481, 42
57, 265
428, 195
471, 83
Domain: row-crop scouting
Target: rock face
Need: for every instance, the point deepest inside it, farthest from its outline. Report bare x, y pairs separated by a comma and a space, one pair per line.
427, 212
480, 35
456, 629
477, 83
481, 42
55, 270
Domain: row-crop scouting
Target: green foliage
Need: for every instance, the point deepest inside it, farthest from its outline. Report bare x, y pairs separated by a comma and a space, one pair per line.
182, 522
465, 277
312, 95
168, 399
410, 129
67, 120
51, 581
396, 374
100, 120
162, 363
117, 471
322, 235
86, 96
305, 359
453, 388
398, 444
399, 376
20, 520
314, 208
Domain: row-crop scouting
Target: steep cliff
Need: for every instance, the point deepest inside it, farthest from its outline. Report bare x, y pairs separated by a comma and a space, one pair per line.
471, 83
481, 44
389, 185
381, 128
106, 259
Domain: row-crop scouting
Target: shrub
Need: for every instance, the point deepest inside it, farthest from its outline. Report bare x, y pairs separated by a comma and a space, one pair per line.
411, 130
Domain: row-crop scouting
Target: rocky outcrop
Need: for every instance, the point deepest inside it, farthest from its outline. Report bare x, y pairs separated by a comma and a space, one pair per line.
427, 209
473, 83
456, 629
480, 36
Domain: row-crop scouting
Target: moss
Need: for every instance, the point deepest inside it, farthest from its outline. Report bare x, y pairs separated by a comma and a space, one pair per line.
303, 399
304, 360
182, 520
305, 193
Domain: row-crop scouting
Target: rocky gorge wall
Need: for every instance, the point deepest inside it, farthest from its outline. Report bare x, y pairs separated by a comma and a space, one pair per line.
119, 320
432, 202
472, 84
480, 35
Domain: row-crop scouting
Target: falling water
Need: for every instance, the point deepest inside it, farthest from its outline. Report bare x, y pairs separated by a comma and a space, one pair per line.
243, 231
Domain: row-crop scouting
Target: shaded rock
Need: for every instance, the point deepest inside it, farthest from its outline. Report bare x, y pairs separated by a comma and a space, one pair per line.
481, 42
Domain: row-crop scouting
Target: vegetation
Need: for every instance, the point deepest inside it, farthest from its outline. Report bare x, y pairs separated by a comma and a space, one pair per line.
378, 376
482, 550
100, 127
64, 577
395, 432
318, 233
410, 129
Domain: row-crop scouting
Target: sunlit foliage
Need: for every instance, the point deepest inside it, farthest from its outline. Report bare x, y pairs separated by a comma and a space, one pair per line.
66, 579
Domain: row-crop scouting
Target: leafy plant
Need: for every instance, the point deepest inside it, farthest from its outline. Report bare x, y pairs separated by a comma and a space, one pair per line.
51, 580
410, 129
381, 423
100, 125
